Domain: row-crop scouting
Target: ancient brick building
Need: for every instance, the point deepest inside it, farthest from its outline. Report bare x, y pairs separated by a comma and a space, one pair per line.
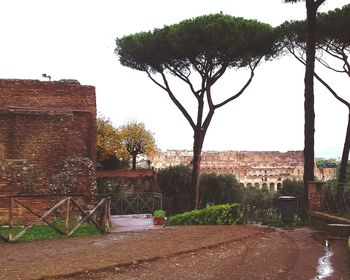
128, 181
47, 136
260, 169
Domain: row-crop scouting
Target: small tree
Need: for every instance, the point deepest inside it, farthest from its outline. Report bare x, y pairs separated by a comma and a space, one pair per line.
206, 45
175, 184
219, 189
108, 145
136, 140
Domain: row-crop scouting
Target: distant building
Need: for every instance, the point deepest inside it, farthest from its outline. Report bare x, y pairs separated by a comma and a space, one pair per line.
260, 169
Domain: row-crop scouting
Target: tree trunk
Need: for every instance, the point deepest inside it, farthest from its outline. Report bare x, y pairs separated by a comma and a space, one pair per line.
196, 164
309, 111
134, 162
343, 166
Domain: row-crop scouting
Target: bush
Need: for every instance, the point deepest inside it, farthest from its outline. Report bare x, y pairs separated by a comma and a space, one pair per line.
292, 187
175, 184
219, 189
226, 214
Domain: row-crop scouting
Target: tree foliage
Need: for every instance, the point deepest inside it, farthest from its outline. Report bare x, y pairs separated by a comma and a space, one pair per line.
137, 140
206, 45
175, 184
256, 197
108, 142
218, 189
292, 187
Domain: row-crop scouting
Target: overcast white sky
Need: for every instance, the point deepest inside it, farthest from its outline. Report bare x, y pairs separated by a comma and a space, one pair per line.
75, 39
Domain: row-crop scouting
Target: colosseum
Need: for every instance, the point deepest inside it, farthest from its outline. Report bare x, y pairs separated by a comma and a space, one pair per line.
260, 169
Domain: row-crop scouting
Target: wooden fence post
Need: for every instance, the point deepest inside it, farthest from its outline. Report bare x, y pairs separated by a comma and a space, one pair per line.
66, 224
10, 219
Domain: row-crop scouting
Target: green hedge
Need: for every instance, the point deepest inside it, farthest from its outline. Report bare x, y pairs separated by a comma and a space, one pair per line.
226, 214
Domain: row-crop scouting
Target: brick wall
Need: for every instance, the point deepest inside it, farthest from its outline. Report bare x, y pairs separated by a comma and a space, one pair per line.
128, 181
46, 124
316, 196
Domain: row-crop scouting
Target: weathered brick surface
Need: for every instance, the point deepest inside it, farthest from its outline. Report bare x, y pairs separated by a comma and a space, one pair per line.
44, 123
128, 181
316, 196
47, 140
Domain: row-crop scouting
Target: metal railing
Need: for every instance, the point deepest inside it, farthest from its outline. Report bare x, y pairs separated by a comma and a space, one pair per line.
337, 199
139, 203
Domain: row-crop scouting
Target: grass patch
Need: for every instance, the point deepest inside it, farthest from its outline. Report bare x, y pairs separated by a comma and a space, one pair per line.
42, 232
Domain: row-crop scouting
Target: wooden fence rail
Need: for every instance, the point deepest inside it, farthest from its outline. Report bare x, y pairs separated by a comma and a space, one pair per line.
72, 211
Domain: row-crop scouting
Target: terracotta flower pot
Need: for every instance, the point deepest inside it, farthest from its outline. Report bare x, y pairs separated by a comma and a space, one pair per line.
158, 221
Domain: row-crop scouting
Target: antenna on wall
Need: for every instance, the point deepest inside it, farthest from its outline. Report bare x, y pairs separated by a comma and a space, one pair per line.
47, 76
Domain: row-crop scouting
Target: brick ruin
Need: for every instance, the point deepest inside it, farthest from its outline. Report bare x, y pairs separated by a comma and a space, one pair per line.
47, 137
128, 181
260, 169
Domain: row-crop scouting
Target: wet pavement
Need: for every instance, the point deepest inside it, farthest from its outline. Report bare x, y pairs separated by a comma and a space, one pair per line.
325, 267
135, 222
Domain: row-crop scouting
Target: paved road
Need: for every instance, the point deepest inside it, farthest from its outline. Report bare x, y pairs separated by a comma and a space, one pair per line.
136, 222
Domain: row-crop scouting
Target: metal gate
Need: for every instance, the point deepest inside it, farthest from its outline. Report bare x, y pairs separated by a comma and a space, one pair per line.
140, 203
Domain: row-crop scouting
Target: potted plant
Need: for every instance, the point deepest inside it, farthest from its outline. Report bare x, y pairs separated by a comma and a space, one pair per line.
159, 217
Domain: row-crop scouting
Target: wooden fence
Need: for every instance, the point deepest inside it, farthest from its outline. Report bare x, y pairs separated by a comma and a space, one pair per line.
64, 213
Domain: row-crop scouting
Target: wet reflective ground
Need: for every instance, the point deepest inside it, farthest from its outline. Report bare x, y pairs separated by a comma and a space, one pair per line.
135, 222
332, 264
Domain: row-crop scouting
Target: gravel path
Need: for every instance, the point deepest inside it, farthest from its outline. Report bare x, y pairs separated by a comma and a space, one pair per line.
193, 252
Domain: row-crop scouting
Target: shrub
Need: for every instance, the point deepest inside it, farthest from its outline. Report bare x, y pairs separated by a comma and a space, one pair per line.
159, 213
226, 214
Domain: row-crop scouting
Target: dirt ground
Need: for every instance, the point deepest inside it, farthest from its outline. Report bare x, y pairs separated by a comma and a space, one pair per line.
193, 252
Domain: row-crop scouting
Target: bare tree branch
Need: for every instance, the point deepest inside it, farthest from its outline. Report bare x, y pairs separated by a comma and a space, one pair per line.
177, 103
324, 83
184, 78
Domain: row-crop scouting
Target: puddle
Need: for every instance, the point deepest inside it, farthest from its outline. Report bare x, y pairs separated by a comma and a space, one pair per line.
324, 268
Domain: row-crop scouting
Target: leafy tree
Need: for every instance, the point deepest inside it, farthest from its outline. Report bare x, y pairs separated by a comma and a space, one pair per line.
292, 187
332, 35
175, 184
309, 111
136, 140
206, 45
256, 197
219, 189
108, 145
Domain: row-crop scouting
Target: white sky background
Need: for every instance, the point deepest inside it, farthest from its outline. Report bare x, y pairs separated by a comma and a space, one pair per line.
75, 39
